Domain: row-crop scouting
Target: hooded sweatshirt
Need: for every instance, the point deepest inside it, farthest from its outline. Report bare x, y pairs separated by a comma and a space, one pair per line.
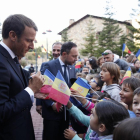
113, 90
120, 62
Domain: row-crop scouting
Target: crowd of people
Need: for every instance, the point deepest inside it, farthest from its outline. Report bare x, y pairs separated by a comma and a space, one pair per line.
110, 111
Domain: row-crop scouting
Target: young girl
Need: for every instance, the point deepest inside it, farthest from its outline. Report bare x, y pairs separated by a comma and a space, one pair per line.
136, 102
110, 73
126, 94
105, 116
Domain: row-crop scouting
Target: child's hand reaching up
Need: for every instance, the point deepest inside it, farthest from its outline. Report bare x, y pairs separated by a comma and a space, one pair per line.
82, 100
69, 134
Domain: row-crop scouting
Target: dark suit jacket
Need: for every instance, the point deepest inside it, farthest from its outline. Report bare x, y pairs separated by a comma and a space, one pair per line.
53, 66
15, 102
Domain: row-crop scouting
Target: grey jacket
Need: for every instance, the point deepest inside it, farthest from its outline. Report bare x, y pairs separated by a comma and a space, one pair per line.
113, 90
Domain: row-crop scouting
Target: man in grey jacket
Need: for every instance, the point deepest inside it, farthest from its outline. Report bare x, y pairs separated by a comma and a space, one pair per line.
109, 56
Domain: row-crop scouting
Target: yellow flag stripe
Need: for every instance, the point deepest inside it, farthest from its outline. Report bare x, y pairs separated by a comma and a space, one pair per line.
61, 86
83, 91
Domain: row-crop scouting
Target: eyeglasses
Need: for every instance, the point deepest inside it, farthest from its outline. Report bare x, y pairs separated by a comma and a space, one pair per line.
106, 53
94, 81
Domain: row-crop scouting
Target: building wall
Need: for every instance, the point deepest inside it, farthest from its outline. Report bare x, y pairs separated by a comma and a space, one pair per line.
77, 32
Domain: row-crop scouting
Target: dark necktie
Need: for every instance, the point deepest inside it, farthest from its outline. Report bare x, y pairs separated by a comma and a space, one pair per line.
18, 65
65, 73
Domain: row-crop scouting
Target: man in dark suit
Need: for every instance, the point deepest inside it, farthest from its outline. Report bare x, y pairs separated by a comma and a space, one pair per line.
54, 122
56, 48
16, 96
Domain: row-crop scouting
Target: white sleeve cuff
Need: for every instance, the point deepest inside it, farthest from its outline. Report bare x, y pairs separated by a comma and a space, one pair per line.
31, 93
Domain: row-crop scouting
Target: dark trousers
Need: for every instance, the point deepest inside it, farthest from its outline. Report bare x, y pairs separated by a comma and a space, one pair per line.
53, 130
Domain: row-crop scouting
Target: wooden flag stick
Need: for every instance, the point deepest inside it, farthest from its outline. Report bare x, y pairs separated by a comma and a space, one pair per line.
95, 92
84, 97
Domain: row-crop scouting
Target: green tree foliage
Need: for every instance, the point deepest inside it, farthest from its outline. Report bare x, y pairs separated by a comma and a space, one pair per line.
64, 36
109, 37
90, 45
134, 34
132, 40
50, 55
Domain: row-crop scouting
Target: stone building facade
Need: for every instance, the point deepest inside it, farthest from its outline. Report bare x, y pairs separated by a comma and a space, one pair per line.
77, 30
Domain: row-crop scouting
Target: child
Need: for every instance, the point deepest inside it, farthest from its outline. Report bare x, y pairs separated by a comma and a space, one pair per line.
137, 75
89, 77
136, 102
100, 61
126, 94
137, 65
105, 116
128, 129
110, 73
122, 73
96, 83
85, 70
81, 75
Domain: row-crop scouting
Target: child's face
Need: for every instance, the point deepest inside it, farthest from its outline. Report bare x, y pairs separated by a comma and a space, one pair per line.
93, 83
94, 120
137, 64
105, 75
126, 94
136, 105
85, 70
94, 97
101, 62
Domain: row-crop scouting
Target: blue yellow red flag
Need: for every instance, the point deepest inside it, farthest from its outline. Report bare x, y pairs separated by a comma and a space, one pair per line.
49, 78
138, 55
60, 92
43, 48
127, 74
125, 49
81, 86
78, 64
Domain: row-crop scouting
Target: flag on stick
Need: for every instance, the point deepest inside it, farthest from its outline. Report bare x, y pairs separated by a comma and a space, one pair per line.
43, 49
138, 54
78, 64
81, 86
60, 92
127, 74
125, 49
49, 78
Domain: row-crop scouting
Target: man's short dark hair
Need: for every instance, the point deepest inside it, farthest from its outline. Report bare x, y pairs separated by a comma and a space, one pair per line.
17, 24
66, 47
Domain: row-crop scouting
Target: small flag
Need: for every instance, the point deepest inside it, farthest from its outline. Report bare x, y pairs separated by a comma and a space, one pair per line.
60, 92
49, 78
81, 86
43, 48
127, 74
125, 49
138, 54
78, 64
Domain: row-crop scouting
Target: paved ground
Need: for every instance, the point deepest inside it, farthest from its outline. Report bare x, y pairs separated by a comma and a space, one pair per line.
37, 123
